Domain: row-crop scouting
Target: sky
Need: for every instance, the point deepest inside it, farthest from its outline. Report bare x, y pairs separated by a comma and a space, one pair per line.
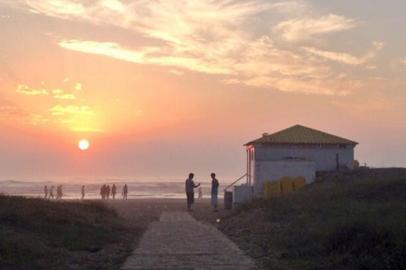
164, 88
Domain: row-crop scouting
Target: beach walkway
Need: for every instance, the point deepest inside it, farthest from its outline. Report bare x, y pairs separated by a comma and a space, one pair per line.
178, 241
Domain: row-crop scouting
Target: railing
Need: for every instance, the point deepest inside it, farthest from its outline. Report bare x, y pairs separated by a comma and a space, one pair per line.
235, 182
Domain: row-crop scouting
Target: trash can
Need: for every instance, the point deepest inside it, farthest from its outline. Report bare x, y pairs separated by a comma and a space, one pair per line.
228, 200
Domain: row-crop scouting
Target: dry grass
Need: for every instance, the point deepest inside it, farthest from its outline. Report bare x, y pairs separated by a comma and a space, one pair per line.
353, 220
38, 234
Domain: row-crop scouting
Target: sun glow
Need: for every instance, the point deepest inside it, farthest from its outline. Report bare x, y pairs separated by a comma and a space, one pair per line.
83, 144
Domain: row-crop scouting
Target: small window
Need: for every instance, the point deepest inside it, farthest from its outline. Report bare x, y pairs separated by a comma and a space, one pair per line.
342, 146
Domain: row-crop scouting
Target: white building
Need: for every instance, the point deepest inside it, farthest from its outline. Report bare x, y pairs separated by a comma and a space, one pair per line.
296, 151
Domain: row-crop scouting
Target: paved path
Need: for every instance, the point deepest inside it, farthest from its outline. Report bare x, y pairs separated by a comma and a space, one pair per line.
178, 241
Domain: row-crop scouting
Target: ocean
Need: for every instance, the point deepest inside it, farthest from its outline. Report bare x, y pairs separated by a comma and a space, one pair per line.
136, 189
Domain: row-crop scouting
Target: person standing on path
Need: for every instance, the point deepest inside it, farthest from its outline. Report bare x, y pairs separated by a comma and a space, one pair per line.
190, 191
214, 191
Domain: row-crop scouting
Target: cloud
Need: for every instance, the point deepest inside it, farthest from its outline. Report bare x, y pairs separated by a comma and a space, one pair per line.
78, 118
60, 94
55, 93
78, 86
145, 55
57, 8
38, 119
212, 37
65, 96
346, 58
176, 72
26, 90
303, 29
103, 48
327, 87
60, 110
113, 5
9, 111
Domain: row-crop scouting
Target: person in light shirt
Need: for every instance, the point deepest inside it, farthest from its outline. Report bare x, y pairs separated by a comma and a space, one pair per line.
214, 191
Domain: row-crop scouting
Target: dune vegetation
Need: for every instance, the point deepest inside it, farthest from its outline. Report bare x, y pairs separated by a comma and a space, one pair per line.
347, 220
39, 234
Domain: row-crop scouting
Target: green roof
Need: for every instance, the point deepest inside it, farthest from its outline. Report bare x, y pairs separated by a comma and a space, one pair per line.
301, 135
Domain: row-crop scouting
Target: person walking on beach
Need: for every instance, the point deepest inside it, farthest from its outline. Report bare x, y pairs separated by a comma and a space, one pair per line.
125, 192
113, 191
45, 192
83, 192
190, 191
214, 191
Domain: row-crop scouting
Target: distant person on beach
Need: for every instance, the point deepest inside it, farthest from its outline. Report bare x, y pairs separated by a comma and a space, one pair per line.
45, 192
59, 193
190, 191
113, 191
51, 192
214, 191
125, 192
108, 192
83, 192
102, 191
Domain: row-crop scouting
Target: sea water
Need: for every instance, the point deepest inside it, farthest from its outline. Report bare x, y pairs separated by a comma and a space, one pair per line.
136, 189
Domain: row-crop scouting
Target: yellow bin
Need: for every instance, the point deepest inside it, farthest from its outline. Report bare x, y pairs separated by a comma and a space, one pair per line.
298, 182
272, 189
286, 185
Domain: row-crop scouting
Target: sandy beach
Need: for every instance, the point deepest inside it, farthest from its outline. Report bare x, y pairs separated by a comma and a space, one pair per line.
172, 239
143, 211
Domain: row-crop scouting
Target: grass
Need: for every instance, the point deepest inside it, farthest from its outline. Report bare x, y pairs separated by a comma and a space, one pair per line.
38, 234
353, 220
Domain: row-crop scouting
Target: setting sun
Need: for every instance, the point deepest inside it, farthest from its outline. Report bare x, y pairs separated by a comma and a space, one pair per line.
83, 145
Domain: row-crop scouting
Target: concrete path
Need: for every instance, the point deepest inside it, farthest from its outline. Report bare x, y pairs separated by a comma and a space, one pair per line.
178, 241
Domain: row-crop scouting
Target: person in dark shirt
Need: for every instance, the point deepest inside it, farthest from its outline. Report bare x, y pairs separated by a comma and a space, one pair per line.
190, 191
214, 191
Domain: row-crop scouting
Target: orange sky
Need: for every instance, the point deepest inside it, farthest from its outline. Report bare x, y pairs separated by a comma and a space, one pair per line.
163, 88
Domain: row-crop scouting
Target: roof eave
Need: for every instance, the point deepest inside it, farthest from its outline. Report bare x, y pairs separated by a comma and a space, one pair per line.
259, 142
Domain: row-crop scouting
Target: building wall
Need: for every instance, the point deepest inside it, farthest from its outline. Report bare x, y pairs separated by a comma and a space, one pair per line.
274, 170
324, 156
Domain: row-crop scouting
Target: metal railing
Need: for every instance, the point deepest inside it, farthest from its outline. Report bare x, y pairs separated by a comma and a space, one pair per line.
235, 182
